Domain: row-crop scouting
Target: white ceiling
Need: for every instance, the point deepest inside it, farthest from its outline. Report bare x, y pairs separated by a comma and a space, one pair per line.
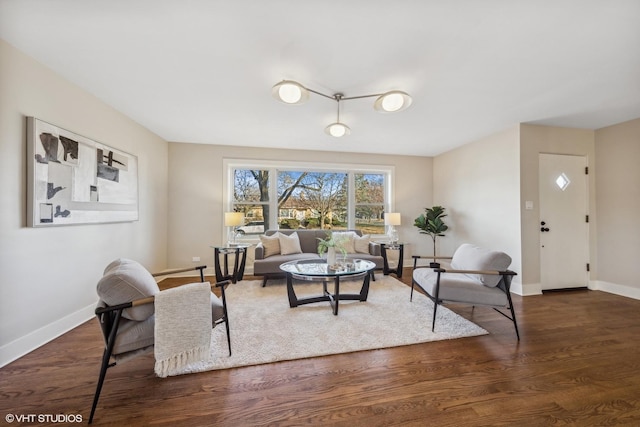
201, 71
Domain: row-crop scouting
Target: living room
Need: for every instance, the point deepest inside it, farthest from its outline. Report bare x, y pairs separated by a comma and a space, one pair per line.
50, 274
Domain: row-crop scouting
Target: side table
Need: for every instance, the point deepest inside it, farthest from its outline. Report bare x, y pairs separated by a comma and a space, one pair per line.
384, 246
240, 258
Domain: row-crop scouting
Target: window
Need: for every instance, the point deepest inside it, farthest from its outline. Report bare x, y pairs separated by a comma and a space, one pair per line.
251, 196
308, 196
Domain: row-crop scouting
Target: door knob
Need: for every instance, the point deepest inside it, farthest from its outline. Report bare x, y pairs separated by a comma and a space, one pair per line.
544, 229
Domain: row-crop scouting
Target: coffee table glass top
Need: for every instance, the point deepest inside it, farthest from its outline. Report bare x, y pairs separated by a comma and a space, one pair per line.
315, 267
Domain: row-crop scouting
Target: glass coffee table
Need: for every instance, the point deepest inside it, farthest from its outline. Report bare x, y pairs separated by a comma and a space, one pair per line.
316, 269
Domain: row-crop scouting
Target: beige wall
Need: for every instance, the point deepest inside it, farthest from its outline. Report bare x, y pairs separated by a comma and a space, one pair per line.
48, 275
196, 192
617, 151
478, 184
534, 140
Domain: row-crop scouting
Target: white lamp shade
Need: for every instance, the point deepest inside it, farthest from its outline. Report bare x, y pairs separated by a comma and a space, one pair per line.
392, 218
233, 219
337, 130
290, 92
392, 101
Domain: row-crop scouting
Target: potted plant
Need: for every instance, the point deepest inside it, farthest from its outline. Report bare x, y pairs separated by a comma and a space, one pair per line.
330, 245
431, 223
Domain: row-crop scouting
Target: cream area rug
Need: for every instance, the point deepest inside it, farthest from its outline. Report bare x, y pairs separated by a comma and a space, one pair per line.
265, 329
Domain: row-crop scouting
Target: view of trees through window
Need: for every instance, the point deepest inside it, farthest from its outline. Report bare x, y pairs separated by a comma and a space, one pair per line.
305, 199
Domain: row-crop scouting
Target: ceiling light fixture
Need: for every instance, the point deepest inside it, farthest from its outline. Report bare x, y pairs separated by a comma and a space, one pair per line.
292, 92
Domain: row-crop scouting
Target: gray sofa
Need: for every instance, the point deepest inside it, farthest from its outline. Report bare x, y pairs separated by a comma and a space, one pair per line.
269, 266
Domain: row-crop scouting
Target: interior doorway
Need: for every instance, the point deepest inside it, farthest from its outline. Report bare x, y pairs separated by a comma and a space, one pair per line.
564, 239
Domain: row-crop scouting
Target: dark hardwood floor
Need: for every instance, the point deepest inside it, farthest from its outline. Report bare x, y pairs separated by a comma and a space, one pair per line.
577, 364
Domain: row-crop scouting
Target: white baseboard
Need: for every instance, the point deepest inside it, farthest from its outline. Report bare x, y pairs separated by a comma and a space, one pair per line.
613, 288
527, 289
594, 285
26, 344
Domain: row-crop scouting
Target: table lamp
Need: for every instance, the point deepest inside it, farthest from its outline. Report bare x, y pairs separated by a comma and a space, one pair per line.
392, 219
233, 220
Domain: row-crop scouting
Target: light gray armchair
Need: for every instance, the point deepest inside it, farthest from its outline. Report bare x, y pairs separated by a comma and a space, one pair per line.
474, 276
125, 311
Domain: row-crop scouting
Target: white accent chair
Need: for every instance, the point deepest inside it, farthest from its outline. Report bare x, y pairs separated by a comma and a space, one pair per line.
474, 276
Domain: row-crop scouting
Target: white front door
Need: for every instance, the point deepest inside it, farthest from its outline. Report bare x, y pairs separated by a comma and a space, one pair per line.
564, 240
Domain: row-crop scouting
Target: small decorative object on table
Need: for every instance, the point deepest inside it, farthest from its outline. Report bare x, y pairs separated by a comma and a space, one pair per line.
330, 245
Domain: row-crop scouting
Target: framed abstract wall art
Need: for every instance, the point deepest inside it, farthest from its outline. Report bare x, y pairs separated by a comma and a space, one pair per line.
75, 180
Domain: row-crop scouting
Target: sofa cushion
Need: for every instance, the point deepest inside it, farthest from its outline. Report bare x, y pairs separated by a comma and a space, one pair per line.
361, 244
125, 280
289, 244
271, 244
471, 257
271, 265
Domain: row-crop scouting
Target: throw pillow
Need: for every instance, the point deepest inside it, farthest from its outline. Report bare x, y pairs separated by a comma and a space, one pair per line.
347, 240
362, 243
289, 244
271, 245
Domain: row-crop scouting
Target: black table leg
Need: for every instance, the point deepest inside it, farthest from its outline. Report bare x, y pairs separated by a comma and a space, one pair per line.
336, 295
293, 299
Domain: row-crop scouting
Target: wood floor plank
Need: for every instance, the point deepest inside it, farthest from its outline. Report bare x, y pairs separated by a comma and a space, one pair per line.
577, 364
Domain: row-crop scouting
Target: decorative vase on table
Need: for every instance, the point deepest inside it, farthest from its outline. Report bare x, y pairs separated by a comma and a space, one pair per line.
331, 256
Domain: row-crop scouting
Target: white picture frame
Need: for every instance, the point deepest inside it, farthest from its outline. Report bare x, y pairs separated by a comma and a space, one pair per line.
73, 179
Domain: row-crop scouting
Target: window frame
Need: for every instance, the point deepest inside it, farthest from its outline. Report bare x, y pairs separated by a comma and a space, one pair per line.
273, 166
